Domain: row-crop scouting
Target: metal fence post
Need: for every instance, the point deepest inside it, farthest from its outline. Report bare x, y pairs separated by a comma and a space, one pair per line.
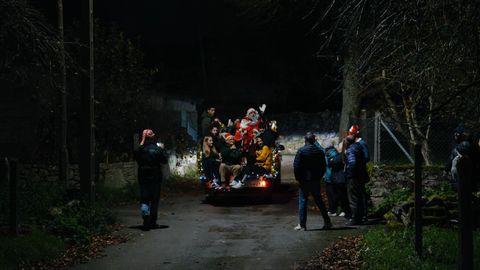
418, 199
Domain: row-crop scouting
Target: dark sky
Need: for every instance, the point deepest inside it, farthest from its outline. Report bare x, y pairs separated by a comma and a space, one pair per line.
247, 62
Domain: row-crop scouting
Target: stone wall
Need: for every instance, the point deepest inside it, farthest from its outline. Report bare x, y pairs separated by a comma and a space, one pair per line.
112, 175
385, 180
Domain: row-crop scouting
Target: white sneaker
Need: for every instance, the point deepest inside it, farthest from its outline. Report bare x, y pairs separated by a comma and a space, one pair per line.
215, 185
330, 214
342, 214
233, 183
299, 228
238, 185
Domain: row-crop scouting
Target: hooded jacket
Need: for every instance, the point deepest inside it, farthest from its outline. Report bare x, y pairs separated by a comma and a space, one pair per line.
150, 157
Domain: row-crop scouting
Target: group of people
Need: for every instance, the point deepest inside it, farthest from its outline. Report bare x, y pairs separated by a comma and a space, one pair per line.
233, 152
343, 168
464, 161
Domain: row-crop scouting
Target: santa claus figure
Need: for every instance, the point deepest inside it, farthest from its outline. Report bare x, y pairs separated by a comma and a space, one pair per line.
250, 123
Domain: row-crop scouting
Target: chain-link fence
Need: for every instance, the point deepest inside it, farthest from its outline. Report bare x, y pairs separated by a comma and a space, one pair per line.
390, 143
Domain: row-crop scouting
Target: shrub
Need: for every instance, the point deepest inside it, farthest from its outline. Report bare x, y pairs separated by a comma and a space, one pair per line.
76, 222
36, 246
118, 196
392, 199
176, 183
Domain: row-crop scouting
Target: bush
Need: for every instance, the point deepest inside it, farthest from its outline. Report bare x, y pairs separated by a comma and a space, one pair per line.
130, 193
392, 199
36, 246
76, 222
176, 183
395, 249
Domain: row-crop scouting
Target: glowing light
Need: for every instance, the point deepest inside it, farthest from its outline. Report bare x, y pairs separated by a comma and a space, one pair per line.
263, 183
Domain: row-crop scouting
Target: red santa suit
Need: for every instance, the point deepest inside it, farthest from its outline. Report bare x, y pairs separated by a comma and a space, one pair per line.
248, 124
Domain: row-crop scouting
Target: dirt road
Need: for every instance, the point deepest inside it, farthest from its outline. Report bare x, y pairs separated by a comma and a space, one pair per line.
234, 233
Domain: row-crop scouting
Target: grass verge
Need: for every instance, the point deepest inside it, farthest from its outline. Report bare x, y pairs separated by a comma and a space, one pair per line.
394, 249
33, 247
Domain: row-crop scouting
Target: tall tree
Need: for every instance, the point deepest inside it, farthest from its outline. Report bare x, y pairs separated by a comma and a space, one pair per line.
63, 99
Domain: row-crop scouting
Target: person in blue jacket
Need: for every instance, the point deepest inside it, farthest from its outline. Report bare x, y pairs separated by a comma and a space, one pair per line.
309, 168
356, 175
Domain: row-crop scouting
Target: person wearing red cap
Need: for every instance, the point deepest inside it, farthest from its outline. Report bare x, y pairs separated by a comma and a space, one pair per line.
355, 132
149, 156
356, 175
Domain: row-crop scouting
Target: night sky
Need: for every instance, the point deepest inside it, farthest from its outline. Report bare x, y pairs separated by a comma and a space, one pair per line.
247, 62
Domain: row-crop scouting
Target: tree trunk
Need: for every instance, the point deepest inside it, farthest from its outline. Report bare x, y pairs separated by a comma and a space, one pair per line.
63, 168
87, 138
350, 92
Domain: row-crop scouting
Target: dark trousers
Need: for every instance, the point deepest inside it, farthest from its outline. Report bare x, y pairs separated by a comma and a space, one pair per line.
150, 195
337, 196
210, 168
313, 188
250, 172
357, 197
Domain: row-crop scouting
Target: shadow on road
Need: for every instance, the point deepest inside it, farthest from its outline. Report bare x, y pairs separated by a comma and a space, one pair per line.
140, 227
332, 229
247, 197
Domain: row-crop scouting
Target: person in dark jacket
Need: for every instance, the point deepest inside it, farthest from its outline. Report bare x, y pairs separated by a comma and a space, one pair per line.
215, 134
335, 182
210, 160
231, 159
356, 175
150, 156
354, 131
309, 168
207, 119
464, 147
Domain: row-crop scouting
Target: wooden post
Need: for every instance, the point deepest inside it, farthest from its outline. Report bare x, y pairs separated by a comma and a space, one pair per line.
87, 143
63, 168
465, 234
11, 173
418, 199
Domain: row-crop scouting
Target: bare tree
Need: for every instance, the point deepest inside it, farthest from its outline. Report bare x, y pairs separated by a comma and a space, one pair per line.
418, 56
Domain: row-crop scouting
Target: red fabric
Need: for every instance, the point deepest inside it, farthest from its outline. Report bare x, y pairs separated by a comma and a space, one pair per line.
354, 130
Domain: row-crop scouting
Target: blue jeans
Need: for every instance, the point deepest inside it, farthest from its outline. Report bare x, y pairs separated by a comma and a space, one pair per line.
305, 188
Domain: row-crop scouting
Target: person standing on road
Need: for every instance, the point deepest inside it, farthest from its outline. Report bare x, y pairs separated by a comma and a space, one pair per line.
309, 167
357, 176
355, 132
150, 156
335, 182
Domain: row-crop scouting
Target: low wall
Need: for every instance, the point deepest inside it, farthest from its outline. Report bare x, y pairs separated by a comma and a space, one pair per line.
384, 180
293, 142
112, 175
